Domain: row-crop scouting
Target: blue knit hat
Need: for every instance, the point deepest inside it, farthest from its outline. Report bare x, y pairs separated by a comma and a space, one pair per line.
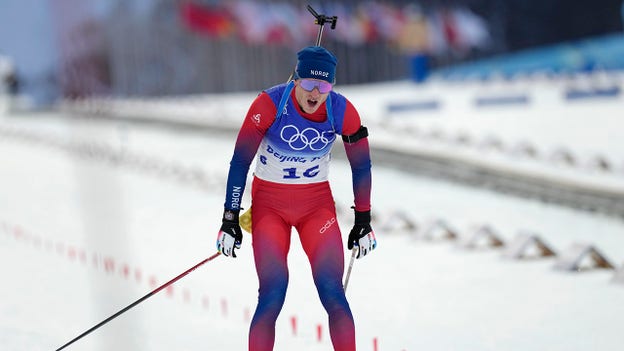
316, 62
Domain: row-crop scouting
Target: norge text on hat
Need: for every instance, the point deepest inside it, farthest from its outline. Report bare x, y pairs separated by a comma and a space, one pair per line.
316, 62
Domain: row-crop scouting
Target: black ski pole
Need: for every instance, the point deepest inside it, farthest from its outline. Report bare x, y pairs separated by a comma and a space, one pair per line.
140, 300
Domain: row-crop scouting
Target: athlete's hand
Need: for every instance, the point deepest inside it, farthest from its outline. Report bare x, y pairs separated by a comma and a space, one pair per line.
362, 235
230, 235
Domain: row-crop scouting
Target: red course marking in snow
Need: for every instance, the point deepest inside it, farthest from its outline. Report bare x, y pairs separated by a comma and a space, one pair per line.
293, 324
71, 253
109, 265
125, 270
319, 332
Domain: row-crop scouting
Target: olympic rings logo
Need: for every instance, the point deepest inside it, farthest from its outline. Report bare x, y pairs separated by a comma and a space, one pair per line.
309, 137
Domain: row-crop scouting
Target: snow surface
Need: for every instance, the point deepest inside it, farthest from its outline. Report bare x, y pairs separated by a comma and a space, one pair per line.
85, 231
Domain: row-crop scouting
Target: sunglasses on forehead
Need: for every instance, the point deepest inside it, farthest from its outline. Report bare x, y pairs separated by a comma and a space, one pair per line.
309, 85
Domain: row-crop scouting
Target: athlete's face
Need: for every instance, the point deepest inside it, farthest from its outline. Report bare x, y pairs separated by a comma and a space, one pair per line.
310, 100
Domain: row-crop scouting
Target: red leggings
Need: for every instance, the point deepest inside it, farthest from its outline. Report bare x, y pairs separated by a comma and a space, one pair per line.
310, 209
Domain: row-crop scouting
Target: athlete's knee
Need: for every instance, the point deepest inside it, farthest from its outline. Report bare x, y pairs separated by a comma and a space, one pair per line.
272, 293
272, 296
332, 295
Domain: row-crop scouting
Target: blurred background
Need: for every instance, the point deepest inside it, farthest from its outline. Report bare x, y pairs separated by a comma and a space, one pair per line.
495, 125
54, 49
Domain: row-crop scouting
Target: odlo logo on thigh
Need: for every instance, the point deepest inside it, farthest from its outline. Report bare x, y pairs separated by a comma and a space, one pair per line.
327, 225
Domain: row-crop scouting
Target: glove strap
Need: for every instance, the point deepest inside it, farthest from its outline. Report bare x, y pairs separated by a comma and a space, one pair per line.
363, 217
230, 216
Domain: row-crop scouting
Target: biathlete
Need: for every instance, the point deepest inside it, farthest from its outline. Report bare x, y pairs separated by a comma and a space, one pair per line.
290, 129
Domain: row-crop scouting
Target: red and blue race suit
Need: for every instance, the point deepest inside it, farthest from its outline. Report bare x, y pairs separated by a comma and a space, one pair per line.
291, 189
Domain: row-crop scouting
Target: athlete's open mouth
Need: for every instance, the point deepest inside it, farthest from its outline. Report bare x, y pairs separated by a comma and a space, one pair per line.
312, 103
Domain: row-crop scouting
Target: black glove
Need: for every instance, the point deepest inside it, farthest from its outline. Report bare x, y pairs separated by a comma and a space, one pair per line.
362, 235
230, 235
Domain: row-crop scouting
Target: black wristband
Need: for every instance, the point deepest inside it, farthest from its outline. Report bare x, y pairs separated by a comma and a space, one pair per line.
230, 215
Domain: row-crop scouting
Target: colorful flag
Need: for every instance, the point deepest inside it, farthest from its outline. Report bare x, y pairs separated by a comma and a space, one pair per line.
214, 21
